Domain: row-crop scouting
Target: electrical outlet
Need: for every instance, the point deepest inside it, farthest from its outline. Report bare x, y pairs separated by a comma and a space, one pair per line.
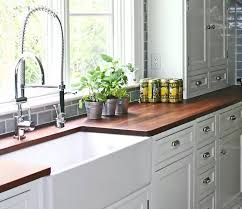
155, 61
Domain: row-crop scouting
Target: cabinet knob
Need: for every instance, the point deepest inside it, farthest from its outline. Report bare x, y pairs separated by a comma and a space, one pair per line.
198, 83
206, 129
223, 152
175, 143
206, 155
206, 180
213, 27
232, 117
208, 27
218, 78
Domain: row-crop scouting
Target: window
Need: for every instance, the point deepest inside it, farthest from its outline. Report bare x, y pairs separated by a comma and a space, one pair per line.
91, 27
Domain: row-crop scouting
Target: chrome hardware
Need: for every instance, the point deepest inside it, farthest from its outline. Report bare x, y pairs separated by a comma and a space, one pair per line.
206, 155
208, 27
23, 125
218, 78
175, 143
206, 129
60, 118
232, 117
223, 152
213, 27
198, 83
207, 180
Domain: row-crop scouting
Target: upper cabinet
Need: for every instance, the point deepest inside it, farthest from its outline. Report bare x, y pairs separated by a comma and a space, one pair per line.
187, 39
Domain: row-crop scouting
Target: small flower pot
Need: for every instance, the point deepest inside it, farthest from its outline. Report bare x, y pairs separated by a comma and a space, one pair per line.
94, 110
122, 106
109, 107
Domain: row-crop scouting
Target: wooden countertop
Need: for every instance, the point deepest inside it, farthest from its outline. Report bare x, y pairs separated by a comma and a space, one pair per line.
13, 174
142, 120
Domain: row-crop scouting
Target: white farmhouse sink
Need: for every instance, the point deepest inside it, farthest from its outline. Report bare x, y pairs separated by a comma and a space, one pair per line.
90, 170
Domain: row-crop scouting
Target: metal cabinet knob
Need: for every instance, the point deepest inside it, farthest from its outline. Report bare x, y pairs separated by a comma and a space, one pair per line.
232, 117
218, 78
208, 27
198, 83
223, 152
206, 129
175, 143
213, 27
207, 180
206, 155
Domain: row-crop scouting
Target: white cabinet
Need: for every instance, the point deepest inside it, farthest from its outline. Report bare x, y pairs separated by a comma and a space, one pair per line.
229, 168
188, 38
27, 196
217, 33
137, 200
172, 186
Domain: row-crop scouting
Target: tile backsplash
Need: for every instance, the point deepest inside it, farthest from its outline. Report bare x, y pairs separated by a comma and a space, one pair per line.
46, 114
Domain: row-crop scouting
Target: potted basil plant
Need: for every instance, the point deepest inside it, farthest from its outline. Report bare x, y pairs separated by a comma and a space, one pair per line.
92, 85
115, 86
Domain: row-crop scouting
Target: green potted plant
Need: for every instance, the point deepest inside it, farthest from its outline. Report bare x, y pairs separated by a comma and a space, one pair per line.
115, 86
92, 84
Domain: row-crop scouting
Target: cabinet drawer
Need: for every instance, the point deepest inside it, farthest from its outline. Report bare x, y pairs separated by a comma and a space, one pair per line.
229, 121
208, 202
198, 83
206, 130
218, 79
206, 155
206, 184
173, 144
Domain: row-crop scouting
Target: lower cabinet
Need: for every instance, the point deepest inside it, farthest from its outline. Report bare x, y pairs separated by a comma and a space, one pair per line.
26, 196
172, 186
137, 200
229, 168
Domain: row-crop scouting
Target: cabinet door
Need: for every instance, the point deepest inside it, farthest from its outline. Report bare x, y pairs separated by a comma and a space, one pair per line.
172, 186
197, 34
217, 33
229, 168
139, 202
21, 201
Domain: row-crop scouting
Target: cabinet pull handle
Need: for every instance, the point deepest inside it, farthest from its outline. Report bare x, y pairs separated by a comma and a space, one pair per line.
206, 129
198, 83
175, 143
223, 152
206, 155
207, 180
218, 78
232, 117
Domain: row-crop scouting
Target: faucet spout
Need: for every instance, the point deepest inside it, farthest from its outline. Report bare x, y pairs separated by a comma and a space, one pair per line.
21, 59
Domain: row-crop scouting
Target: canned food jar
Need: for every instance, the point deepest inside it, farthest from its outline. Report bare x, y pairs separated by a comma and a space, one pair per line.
164, 90
173, 91
180, 90
154, 90
144, 90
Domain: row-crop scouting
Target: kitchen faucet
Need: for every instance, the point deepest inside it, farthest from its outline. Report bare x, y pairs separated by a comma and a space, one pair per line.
20, 99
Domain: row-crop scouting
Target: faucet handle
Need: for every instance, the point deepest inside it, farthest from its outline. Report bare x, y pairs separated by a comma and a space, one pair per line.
71, 92
29, 114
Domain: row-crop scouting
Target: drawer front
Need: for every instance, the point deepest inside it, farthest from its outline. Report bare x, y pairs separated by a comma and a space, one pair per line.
208, 202
173, 144
206, 130
206, 155
218, 79
198, 83
229, 121
206, 184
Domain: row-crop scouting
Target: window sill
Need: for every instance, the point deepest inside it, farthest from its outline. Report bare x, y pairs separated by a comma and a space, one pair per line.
46, 101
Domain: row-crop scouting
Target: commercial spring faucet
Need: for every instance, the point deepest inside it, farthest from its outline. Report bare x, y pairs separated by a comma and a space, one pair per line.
20, 96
